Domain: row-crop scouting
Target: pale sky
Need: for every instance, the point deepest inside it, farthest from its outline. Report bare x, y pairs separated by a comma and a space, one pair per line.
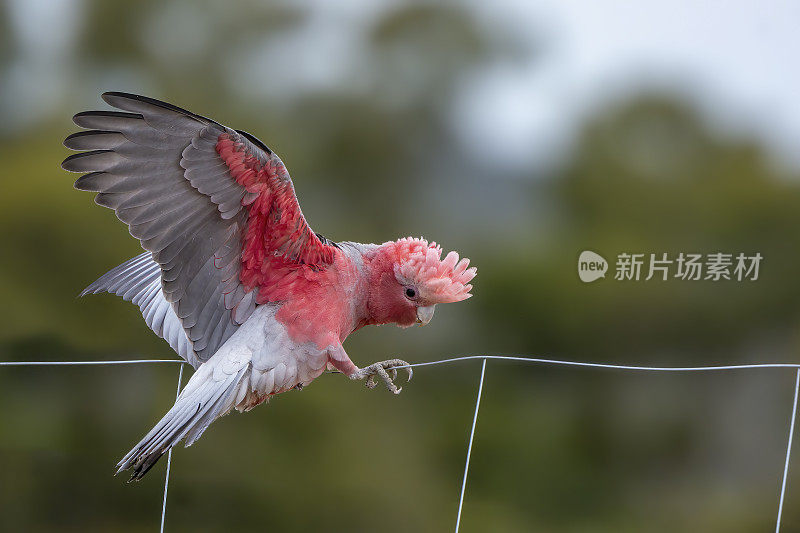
736, 60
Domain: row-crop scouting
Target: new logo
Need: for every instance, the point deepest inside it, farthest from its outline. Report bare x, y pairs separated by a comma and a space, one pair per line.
591, 266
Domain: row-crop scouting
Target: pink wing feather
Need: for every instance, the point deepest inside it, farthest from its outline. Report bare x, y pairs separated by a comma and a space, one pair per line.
277, 233
214, 206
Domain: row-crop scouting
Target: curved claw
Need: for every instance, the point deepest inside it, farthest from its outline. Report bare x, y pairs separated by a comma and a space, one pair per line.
382, 369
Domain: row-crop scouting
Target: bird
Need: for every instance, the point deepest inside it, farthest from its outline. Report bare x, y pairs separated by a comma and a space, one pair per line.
232, 276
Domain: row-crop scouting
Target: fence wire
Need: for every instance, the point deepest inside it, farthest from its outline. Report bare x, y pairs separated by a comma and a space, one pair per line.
169, 460
484, 359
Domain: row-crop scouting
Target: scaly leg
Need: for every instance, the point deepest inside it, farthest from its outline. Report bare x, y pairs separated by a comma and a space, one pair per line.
339, 360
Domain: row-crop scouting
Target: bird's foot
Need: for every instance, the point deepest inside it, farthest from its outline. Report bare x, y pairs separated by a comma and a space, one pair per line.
382, 369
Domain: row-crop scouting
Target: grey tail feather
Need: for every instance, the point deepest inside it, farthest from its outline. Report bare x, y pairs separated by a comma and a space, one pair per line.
194, 410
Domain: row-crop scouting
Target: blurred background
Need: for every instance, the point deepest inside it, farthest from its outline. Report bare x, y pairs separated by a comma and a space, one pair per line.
519, 134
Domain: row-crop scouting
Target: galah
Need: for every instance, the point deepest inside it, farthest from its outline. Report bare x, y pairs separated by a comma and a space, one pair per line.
232, 276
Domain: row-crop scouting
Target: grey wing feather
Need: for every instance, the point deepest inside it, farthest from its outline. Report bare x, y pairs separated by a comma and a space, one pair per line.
138, 280
156, 165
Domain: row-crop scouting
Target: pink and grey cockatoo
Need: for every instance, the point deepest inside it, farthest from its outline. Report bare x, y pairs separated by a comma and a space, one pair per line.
233, 278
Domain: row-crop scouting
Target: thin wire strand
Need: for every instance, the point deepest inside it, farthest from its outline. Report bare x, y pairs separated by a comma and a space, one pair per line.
65, 363
469, 448
788, 452
452, 360
606, 365
169, 460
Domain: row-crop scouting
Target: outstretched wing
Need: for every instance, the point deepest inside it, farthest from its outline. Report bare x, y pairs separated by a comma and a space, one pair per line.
214, 206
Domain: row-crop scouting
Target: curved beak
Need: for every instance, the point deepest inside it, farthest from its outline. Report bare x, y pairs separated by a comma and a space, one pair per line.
424, 314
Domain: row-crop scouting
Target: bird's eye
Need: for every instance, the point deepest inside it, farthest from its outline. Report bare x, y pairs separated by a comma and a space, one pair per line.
410, 292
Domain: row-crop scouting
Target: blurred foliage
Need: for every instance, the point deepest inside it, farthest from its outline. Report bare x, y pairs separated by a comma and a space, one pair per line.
556, 449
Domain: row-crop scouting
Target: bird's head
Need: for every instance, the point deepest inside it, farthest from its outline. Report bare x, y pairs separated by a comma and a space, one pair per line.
408, 278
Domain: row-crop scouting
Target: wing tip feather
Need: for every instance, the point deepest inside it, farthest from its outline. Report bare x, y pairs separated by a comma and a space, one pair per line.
76, 118
72, 141
112, 98
69, 164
